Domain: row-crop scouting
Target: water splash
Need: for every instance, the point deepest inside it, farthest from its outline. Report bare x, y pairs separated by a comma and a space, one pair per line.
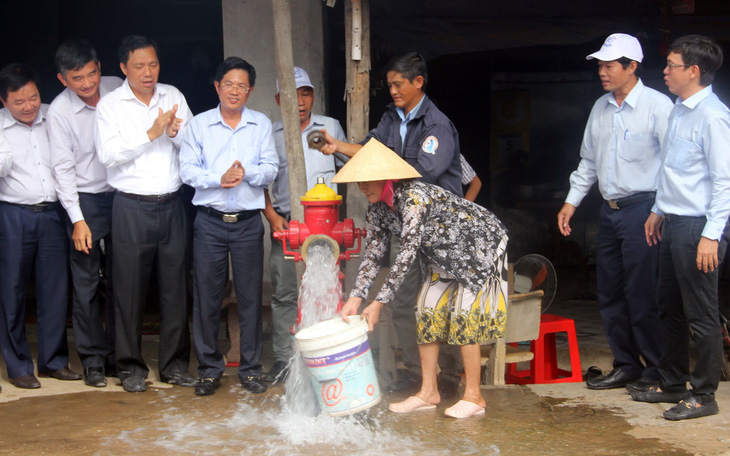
251, 426
319, 295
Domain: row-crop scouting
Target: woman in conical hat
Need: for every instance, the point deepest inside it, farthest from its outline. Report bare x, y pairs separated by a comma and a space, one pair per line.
462, 250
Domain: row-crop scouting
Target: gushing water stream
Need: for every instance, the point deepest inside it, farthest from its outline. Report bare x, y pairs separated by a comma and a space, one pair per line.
319, 294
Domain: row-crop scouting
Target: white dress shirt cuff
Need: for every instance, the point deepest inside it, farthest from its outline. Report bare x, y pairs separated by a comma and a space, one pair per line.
75, 214
713, 230
574, 197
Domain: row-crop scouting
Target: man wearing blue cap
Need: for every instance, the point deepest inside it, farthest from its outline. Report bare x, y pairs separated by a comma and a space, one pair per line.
621, 150
283, 272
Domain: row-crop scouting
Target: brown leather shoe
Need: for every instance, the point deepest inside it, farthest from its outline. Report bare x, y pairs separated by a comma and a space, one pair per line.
26, 382
63, 373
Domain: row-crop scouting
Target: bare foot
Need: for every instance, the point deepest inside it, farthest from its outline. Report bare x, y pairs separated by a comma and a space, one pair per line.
432, 397
474, 398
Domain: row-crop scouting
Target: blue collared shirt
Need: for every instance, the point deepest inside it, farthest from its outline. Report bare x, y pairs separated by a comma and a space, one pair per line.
404, 119
621, 145
695, 174
209, 149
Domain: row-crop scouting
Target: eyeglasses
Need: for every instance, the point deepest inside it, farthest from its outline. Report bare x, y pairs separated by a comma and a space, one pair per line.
672, 66
228, 86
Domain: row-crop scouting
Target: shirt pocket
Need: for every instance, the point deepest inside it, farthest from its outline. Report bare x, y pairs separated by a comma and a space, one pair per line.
681, 153
637, 147
411, 152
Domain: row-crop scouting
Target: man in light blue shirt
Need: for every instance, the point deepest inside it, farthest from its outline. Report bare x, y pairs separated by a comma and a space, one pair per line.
283, 272
621, 150
228, 157
692, 204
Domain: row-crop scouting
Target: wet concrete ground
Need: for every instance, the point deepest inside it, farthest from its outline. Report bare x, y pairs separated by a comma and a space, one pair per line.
561, 419
171, 421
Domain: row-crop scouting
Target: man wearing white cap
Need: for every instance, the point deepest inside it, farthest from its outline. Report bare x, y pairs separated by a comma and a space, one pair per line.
283, 272
621, 150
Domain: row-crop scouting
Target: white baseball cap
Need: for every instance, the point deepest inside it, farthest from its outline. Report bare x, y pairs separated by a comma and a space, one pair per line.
619, 45
300, 77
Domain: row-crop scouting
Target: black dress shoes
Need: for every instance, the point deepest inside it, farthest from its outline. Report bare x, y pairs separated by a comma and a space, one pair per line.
654, 395
180, 379
63, 373
94, 376
278, 373
640, 385
254, 383
134, 384
690, 408
614, 379
207, 386
26, 382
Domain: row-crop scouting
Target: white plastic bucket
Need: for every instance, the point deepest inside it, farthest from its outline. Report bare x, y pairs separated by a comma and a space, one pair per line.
340, 363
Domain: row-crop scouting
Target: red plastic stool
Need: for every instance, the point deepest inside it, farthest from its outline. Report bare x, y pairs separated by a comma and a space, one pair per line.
544, 366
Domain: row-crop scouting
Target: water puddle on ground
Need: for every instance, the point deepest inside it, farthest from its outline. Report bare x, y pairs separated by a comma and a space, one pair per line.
284, 420
174, 421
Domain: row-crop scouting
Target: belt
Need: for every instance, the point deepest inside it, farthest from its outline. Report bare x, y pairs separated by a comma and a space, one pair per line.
40, 207
629, 200
105, 194
159, 199
229, 217
675, 218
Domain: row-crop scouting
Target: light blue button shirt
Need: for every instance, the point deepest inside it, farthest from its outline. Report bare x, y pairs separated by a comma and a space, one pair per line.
695, 175
209, 149
404, 119
621, 145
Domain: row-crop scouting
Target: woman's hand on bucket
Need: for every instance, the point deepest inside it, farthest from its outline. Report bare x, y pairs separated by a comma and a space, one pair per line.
350, 308
372, 313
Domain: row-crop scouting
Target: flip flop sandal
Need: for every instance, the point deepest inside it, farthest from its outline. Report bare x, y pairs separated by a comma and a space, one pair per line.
464, 409
412, 404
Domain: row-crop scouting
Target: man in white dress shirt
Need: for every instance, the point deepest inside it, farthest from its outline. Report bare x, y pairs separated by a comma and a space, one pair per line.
83, 190
620, 150
139, 129
32, 235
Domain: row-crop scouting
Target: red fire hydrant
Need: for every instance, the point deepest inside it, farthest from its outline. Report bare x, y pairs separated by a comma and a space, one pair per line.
321, 226
321, 214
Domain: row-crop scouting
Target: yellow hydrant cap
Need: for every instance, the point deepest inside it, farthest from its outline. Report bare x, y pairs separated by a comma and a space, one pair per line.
321, 192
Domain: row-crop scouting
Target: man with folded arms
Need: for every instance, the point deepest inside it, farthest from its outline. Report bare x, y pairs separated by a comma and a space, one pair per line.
84, 192
228, 156
620, 150
138, 139
32, 234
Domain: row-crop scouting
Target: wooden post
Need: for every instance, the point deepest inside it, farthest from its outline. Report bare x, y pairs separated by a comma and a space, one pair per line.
357, 94
284, 56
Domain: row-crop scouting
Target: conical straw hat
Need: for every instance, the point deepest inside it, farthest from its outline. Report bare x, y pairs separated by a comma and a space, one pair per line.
375, 162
